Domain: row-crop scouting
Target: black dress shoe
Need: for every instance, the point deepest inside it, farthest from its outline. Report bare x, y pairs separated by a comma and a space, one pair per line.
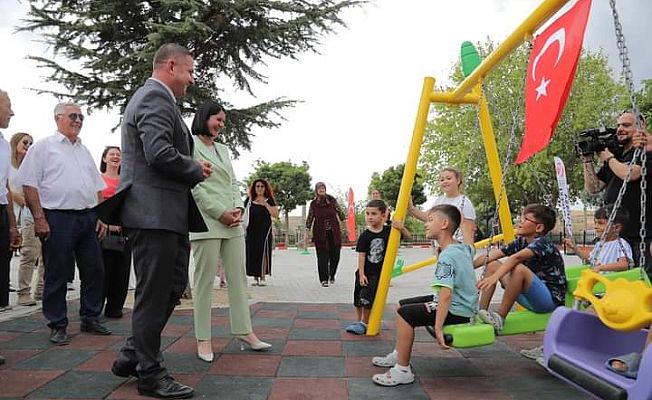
94, 327
59, 337
164, 388
2, 360
124, 369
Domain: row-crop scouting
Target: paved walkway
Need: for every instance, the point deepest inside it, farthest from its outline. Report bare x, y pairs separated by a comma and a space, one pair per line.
312, 357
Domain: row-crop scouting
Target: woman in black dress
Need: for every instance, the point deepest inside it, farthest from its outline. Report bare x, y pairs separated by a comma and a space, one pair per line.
261, 208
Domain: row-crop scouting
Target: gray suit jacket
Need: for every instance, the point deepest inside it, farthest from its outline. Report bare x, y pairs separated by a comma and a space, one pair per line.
158, 169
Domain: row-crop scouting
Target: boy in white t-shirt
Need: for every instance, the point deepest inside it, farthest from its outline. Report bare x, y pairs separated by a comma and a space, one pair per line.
614, 254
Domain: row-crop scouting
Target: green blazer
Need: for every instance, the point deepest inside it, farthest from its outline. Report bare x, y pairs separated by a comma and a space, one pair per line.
218, 193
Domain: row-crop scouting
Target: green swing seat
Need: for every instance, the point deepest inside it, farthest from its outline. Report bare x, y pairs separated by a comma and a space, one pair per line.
520, 322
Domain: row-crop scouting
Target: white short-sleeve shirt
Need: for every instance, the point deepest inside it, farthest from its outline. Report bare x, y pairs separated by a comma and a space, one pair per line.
463, 204
5, 164
63, 172
611, 252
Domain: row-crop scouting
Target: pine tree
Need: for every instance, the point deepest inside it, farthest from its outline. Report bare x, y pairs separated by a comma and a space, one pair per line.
103, 49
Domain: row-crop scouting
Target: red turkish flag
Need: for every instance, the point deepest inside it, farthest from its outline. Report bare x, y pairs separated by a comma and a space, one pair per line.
550, 74
350, 217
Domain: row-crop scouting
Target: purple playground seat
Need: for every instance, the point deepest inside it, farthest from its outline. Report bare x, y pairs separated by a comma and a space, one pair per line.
576, 345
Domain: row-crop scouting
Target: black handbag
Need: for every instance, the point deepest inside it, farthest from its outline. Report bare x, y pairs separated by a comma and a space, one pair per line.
114, 242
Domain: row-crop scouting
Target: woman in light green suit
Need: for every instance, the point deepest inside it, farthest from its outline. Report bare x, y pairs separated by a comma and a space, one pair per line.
218, 199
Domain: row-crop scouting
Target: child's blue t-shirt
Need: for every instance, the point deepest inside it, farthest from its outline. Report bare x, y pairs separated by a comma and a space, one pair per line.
547, 264
454, 270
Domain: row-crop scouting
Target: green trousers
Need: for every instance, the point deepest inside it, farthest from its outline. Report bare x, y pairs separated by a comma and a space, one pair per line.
206, 254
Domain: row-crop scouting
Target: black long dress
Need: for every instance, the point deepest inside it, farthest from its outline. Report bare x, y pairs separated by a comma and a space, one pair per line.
260, 241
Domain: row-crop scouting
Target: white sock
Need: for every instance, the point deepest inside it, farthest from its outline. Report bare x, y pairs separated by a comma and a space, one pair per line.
402, 368
363, 324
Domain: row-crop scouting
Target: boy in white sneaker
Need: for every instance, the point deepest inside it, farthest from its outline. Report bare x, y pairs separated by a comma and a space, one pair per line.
533, 273
371, 248
455, 302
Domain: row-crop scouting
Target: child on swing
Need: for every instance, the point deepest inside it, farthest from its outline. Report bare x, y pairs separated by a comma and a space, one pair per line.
533, 273
455, 302
615, 253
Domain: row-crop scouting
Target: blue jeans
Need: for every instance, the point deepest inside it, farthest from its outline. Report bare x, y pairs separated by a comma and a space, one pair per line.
72, 240
537, 297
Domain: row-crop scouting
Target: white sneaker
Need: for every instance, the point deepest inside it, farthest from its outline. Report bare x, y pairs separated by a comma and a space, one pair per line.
386, 361
492, 318
542, 362
532, 354
394, 377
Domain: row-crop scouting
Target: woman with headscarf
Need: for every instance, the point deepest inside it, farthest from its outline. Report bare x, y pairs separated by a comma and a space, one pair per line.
220, 204
324, 220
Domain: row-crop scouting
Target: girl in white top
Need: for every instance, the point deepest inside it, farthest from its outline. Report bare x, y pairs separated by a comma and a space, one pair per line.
450, 184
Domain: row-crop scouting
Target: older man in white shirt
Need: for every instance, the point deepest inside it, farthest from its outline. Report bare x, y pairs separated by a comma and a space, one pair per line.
9, 235
61, 186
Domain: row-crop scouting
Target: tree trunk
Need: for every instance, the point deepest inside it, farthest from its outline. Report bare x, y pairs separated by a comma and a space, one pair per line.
287, 229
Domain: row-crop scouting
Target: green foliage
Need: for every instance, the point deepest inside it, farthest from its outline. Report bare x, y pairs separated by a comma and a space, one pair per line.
103, 50
644, 100
290, 182
389, 184
453, 136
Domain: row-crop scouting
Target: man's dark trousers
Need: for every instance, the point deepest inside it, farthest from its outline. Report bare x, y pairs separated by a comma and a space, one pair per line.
5, 256
73, 238
161, 267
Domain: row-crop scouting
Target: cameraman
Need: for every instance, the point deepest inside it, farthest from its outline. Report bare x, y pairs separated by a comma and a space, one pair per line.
611, 175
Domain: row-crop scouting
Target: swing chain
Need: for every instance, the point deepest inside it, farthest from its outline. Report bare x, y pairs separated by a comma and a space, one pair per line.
623, 53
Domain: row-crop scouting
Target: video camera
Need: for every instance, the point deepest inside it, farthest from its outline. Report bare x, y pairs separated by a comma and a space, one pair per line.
597, 139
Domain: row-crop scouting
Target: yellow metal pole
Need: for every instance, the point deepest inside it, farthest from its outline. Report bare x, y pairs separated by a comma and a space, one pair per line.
538, 17
432, 260
495, 169
447, 97
401, 206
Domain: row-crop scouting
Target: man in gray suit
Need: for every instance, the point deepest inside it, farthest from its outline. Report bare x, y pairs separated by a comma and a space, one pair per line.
157, 210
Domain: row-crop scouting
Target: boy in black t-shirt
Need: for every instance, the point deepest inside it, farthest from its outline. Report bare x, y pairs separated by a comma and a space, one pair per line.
371, 248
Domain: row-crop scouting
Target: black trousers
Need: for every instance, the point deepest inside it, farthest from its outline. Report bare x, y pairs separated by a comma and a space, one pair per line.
328, 259
73, 239
117, 265
5, 256
161, 267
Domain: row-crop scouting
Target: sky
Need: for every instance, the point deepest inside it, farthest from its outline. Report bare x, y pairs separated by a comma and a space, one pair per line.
359, 94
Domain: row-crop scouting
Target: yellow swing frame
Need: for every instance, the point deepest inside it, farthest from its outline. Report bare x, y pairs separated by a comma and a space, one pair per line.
469, 91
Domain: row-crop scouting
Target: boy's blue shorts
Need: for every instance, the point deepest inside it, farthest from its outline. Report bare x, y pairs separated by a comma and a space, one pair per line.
537, 297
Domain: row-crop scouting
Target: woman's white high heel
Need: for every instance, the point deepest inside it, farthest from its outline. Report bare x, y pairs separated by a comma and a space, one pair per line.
208, 357
255, 346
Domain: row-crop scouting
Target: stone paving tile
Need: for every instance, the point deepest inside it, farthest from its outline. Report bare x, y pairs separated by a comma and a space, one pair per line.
516, 367
317, 315
185, 363
367, 348
119, 327
264, 313
267, 333
426, 367
5, 336
312, 348
304, 389
22, 325
13, 357
463, 388
56, 359
298, 366
281, 306
382, 336
39, 341
433, 350
22, 383
497, 349
361, 367
272, 322
175, 330
316, 323
101, 361
246, 365
79, 384
365, 389
314, 333
321, 308
540, 388
234, 388
93, 342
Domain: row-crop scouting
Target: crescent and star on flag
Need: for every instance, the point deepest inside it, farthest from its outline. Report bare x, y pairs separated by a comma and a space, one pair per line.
560, 37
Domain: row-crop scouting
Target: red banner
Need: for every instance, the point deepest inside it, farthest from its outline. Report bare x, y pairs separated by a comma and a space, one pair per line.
550, 77
350, 217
